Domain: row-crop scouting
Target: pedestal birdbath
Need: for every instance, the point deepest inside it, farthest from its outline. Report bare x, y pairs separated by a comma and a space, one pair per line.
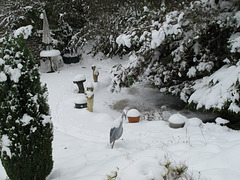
50, 54
79, 80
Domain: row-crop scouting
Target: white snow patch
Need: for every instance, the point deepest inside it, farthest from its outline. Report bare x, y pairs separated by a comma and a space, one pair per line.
5, 143
124, 40
49, 53
221, 121
237, 17
191, 72
89, 94
25, 30
2, 61
3, 77
46, 120
14, 73
26, 119
235, 43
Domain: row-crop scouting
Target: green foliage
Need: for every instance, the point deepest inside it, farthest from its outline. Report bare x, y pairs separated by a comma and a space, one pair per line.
25, 126
174, 171
113, 175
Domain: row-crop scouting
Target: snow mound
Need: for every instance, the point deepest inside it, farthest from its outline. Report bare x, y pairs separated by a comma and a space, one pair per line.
133, 113
195, 122
221, 121
79, 77
177, 119
50, 53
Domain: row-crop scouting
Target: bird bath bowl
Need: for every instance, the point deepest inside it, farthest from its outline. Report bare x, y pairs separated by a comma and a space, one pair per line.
133, 116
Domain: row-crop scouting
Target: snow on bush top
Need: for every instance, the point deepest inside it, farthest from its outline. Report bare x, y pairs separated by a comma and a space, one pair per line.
133, 113
177, 119
124, 40
79, 77
218, 89
26, 31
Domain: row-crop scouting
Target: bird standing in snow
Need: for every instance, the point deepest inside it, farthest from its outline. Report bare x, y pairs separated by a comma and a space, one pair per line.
117, 129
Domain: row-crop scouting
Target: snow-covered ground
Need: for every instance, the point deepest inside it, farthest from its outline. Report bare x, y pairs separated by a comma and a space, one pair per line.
81, 147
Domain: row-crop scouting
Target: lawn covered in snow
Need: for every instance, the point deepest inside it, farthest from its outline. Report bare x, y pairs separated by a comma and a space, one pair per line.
81, 147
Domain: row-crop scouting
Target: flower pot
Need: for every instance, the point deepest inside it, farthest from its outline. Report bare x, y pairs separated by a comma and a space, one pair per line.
133, 116
68, 59
133, 119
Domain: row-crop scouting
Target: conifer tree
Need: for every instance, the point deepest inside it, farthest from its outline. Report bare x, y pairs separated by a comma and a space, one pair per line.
26, 130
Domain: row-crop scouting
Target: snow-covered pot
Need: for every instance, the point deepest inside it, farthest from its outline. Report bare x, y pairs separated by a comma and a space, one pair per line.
177, 121
133, 116
68, 58
81, 102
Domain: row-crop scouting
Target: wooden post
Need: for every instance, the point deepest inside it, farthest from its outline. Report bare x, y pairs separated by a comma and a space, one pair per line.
95, 73
90, 97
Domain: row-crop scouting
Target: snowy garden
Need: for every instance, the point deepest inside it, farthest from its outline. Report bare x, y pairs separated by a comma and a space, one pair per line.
147, 150
153, 101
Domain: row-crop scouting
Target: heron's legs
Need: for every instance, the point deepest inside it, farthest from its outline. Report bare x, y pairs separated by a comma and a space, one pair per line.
113, 143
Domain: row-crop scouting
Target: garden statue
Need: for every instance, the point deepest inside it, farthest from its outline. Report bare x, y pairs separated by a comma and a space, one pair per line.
90, 96
95, 73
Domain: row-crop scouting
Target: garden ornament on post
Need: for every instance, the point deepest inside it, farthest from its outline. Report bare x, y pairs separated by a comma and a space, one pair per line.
90, 96
95, 73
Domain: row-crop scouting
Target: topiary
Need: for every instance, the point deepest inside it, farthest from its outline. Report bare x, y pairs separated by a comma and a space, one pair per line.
26, 130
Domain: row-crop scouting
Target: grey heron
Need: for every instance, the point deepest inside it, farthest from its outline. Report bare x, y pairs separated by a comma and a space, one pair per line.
117, 130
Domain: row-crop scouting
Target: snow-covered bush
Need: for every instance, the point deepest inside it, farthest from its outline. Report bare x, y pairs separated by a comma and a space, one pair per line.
26, 130
219, 91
